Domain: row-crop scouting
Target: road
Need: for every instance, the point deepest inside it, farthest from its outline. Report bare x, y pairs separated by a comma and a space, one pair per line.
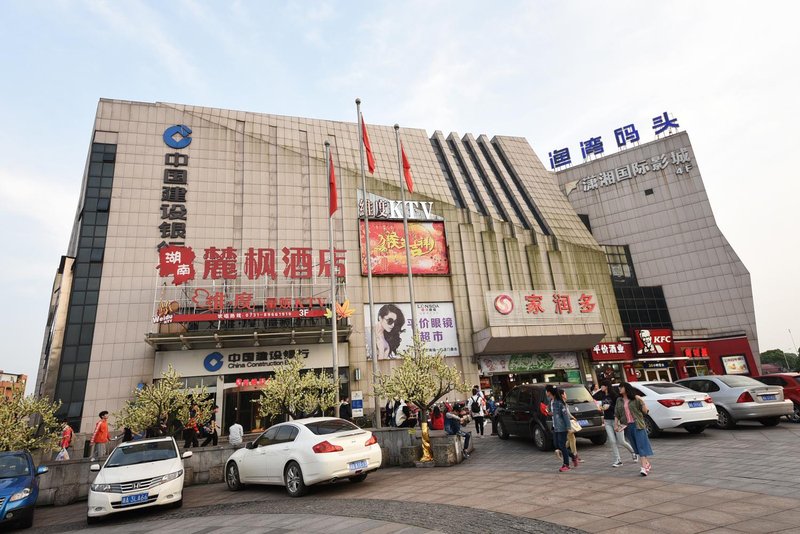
741, 480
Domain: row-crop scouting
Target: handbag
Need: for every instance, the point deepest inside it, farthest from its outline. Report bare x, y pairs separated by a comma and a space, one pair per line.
574, 425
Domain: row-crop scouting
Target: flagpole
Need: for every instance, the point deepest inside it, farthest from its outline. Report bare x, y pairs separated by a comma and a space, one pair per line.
405, 231
334, 333
376, 414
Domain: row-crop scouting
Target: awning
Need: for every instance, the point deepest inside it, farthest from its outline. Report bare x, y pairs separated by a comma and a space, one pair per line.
540, 338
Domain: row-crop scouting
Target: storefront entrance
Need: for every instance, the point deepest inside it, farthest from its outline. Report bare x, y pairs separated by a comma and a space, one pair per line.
658, 375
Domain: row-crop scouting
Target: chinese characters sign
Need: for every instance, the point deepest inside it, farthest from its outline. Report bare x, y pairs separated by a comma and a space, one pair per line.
546, 306
294, 263
389, 331
593, 146
428, 246
527, 363
381, 208
606, 352
174, 189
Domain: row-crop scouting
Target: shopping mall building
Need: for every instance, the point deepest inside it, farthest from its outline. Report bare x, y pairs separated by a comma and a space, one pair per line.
201, 242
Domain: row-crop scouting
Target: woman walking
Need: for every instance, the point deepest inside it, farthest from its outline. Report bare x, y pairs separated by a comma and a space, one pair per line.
560, 427
608, 396
629, 415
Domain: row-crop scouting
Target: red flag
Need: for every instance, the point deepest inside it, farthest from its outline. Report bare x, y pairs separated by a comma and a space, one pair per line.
407, 170
367, 146
332, 183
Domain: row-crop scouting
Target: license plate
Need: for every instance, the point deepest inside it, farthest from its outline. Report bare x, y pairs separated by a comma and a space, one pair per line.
357, 466
769, 397
134, 499
583, 422
695, 404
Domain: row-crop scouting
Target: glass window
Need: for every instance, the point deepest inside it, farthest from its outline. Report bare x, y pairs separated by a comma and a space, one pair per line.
139, 453
330, 426
525, 397
14, 465
267, 438
664, 388
738, 381
286, 434
577, 394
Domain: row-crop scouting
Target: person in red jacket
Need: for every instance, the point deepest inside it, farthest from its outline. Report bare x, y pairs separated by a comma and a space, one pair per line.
437, 419
100, 437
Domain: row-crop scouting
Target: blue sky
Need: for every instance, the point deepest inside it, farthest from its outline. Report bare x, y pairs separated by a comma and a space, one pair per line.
553, 72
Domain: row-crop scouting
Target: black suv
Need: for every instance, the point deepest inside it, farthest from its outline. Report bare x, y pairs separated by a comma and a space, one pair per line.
522, 414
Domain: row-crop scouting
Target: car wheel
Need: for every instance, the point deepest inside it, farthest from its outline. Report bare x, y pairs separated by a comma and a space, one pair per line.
502, 433
540, 439
293, 477
27, 522
92, 520
724, 419
695, 429
359, 478
770, 421
232, 477
794, 417
652, 428
600, 439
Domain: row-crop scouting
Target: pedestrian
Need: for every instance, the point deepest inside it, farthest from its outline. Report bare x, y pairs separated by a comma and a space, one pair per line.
99, 439
607, 395
629, 415
345, 411
572, 443
66, 441
560, 426
126, 436
400, 415
190, 429
477, 409
453, 423
235, 434
406, 418
437, 418
212, 436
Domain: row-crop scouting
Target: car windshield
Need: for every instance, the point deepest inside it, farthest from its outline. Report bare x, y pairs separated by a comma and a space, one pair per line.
330, 426
578, 394
739, 381
141, 453
666, 387
14, 465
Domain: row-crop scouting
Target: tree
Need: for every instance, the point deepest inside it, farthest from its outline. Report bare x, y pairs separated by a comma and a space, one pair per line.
162, 399
422, 378
16, 432
296, 393
781, 359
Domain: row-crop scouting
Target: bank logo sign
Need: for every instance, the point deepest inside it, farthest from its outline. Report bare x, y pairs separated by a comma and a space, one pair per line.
213, 362
178, 136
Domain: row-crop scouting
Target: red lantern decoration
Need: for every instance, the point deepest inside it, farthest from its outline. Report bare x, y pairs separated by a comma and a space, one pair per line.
238, 382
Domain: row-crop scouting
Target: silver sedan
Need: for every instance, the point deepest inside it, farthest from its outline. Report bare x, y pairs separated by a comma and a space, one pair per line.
740, 398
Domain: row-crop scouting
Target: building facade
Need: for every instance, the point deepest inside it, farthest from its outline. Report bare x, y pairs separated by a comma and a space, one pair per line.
684, 296
10, 382
201, 243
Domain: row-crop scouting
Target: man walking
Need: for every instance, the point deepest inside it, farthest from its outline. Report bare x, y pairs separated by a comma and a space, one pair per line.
100, 438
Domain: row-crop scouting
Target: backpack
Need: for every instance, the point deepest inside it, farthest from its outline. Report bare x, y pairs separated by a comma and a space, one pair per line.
475, 407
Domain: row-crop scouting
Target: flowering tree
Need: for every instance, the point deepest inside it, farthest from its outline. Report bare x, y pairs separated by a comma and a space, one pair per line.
422, 378
297, 394
16, 432
162, 399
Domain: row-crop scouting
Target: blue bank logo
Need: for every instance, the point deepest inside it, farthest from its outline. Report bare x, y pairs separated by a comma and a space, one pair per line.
213, 362
178, 136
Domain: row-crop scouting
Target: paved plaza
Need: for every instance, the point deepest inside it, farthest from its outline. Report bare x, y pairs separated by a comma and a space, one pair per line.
743, 480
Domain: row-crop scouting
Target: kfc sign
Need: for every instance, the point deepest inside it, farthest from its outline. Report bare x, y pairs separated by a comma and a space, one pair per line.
653, 341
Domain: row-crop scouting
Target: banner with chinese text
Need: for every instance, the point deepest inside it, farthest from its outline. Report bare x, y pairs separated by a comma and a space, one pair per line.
389, 332
526, 363
428, 246
544, 306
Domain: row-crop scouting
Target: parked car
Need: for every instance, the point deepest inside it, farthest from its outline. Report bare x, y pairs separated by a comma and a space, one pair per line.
790, 382
19, 488
523, 415
675, 406
300, 453
138, 474
741, 398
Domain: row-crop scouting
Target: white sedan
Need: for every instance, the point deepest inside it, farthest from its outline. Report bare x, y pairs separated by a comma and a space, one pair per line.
303, 452
138, 474
674, 406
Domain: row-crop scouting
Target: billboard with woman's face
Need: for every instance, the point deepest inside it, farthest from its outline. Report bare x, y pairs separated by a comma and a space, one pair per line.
389, 332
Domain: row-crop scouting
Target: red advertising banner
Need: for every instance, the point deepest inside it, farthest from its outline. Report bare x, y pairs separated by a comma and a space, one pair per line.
653, 342
428, 246
233, 316
607, 352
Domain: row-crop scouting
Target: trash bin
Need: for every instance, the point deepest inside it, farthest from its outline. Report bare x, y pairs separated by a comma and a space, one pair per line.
87, 449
